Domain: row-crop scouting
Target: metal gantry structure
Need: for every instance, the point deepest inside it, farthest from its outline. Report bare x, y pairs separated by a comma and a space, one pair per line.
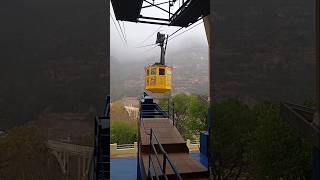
184, 13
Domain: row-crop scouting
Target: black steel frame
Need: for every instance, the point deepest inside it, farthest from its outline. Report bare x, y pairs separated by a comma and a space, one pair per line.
168, 113
171, 15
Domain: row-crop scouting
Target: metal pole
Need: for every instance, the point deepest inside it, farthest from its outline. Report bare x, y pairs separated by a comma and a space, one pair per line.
164, 164
169, 8
150, 152
173, 113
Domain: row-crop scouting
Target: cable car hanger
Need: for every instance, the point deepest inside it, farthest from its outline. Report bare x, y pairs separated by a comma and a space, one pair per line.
162, 40
158, 77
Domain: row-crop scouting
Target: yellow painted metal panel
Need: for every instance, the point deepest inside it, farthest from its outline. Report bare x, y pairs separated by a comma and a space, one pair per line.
155, 82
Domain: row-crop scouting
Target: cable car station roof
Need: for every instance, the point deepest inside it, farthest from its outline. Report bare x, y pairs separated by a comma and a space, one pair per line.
187, 13
127, 10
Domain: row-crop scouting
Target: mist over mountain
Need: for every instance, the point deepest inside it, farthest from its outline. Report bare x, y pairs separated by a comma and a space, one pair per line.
190, 60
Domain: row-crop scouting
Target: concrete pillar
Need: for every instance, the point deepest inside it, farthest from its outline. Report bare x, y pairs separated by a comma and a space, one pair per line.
113, 149
316, 118
207, 25
135, 146
188, 142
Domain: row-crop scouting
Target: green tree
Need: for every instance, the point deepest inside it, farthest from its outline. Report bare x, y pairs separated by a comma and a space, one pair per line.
232, 126
123, 132
197, 115
190, 114
256, 143
276, 151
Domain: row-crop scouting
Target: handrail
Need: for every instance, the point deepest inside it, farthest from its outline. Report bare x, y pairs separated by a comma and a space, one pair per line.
165, 159
158, 111
98, 166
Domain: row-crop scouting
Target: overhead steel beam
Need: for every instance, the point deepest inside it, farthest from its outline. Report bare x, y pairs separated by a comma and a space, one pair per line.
152, 22
153, 18
157, 6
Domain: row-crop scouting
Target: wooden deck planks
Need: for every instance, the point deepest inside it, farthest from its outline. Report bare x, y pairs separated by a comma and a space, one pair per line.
164, 130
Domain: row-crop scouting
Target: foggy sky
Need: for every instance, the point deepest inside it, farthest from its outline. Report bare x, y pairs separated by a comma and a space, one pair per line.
136, 33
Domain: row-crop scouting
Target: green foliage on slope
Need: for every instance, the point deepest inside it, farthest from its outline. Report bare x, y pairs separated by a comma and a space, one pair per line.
123, 132
256, 143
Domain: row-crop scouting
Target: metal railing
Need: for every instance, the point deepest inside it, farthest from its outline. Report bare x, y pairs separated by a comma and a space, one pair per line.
100, 163
162, 165
157, 111
125, 146
171, 111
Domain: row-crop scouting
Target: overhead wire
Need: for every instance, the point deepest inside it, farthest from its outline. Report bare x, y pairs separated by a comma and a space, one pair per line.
146, 45
117, 29
150, 49
168, 35
123, 34
148, 37
155, 45
185, 31
124, 29
175, 32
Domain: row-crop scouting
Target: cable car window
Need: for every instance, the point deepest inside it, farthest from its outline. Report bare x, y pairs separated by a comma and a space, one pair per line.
153, 71
169, 71
162, 71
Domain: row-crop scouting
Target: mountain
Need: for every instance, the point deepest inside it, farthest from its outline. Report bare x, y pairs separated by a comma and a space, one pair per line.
190, 73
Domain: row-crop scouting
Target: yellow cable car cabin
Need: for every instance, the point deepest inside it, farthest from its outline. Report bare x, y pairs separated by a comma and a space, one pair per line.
158, 78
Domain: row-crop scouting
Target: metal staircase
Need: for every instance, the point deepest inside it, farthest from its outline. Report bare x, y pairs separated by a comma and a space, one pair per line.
162, 151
